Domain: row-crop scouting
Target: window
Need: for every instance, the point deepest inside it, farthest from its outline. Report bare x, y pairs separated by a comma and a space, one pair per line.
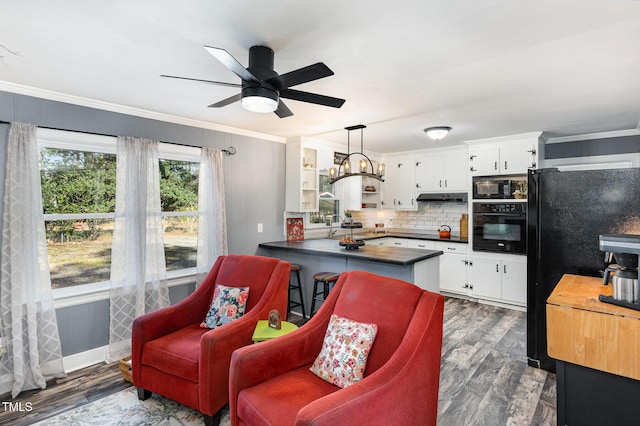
78, 176
328, 203
179, 199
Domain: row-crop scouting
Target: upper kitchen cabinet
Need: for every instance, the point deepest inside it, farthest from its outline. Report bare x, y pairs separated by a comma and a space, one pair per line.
398, 189
507, 155
442, 171
301, 171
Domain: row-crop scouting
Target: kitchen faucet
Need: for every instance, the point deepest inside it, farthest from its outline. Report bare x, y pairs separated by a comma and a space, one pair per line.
329, 221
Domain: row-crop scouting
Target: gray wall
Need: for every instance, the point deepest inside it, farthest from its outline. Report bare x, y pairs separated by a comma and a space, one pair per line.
254, 189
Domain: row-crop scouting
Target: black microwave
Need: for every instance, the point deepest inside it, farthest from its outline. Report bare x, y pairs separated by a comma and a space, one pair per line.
500, 187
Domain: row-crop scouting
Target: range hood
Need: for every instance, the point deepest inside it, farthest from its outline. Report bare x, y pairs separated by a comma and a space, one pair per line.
443, 196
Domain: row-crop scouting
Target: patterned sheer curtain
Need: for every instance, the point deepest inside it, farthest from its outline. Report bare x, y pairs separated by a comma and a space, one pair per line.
212, 222
138, 270
29, 325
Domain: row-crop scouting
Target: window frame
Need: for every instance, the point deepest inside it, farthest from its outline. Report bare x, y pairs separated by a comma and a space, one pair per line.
79, 141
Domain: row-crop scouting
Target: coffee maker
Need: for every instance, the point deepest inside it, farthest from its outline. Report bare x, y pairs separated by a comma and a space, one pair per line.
623, 274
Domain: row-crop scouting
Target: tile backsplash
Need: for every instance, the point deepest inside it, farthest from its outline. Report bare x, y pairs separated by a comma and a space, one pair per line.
429, 216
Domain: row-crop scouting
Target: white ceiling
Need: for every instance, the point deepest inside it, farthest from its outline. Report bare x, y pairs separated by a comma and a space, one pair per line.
486, 68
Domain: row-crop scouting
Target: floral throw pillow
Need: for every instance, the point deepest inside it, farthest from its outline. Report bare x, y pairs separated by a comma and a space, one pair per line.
344, 353
228, 304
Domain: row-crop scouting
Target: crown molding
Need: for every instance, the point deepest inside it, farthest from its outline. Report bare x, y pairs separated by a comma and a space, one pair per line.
122, 109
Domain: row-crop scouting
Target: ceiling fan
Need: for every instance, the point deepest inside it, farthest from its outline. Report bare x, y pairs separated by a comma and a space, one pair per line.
262, 87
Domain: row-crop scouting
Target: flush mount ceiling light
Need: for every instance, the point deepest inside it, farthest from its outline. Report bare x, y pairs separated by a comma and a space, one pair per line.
365, 166
259, 99
437, 133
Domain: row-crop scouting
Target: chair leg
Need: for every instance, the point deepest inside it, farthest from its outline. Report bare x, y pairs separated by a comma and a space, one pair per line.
212, 420
143, 394
313, 298
300, 293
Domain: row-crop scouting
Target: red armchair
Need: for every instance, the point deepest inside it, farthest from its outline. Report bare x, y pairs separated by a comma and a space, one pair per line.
174, 357
270, 383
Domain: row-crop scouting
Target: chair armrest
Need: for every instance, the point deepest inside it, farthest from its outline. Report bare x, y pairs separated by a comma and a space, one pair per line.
218, 345
257, 363
390, 392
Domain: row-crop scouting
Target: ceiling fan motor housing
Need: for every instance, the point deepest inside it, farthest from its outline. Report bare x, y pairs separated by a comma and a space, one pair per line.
261, 63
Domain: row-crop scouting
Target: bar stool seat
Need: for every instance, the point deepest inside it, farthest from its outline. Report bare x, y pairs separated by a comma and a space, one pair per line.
295, 286
327, 279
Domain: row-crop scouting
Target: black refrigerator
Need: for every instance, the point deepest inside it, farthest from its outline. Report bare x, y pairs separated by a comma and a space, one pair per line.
567, 211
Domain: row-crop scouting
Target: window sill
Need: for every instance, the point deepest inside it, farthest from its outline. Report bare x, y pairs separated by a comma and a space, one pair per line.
90, 293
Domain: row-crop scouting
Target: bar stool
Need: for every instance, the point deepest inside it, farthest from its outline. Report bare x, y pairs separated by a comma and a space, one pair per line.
327, 279
293, 286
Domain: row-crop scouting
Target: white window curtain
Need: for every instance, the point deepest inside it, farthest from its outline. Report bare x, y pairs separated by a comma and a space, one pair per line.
138, 271
212, 221
29, 325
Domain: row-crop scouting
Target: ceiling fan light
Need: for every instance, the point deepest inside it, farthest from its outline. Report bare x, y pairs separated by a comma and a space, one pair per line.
259, 99
437, 133
259, 104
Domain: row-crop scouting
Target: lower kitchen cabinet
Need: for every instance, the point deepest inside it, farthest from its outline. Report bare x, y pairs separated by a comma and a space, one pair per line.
453, 267
378, 241
397, 242
499, 279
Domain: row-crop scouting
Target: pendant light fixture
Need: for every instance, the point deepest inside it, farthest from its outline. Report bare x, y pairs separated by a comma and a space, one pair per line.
437, 133
365, 166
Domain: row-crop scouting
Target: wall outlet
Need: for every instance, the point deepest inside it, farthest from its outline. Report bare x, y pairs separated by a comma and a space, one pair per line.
259, 228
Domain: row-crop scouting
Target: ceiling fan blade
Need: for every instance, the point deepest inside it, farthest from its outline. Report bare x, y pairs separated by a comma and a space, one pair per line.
306, 74
227, 101
231, 63
313, 98
282, 111
220, 83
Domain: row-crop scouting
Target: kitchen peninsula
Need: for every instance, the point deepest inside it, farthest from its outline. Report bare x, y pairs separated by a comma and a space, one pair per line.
417, 266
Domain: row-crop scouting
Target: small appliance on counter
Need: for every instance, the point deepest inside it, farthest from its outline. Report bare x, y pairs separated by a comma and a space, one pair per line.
445, 231
623, 275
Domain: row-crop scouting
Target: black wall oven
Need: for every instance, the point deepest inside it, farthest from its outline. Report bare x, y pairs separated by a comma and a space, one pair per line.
500, 227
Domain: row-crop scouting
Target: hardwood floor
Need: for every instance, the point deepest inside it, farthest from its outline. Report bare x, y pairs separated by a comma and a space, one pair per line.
484, 377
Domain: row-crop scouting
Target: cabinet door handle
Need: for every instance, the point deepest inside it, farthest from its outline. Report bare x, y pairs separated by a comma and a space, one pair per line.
412, 201
495, 165
471, 157
532, 151
418, 185
471, 169
445, 183
497, 268
421, 245
505, 165
440, 183
394, 201
504, 268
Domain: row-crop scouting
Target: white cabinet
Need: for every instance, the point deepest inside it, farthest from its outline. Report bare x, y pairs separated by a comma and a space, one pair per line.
301, 174
442, 172
453, 267
499, 279
504, 156
377, 242
514, 281
397, 242
421, 244
398, 190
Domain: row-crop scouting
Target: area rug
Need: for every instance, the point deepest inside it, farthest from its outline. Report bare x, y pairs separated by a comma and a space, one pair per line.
124, 408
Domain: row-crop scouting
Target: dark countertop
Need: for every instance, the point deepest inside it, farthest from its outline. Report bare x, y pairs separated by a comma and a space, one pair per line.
330, 247
396, 233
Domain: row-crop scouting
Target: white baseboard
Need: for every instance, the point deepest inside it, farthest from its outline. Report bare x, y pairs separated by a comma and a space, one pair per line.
84, 359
